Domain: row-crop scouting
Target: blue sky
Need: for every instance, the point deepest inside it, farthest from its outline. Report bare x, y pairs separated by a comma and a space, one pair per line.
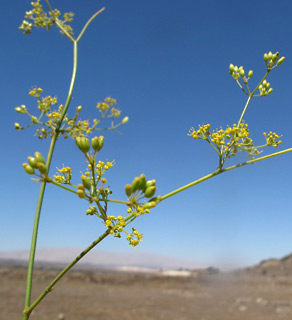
166, 63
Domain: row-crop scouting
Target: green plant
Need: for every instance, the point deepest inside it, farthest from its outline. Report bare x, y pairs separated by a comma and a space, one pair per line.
53, 122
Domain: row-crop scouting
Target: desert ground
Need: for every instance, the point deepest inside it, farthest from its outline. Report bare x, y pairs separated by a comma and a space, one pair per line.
263, 292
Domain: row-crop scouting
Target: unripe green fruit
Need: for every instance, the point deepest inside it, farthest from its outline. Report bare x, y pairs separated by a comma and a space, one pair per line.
150, 191
95, 143
231, 68
280, 61
135, 185
241, 72
28, 169
128, 190
125, 120
149, 205
150, 183
86, 182
101, 141
250, 73
34, 119
82, 144
42, 168
143, 181
39, 158
32, 162
266, 57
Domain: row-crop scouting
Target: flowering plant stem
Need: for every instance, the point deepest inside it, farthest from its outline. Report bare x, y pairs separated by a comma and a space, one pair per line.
42, 189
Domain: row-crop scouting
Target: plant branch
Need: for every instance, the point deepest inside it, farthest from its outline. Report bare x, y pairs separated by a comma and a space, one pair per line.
29, 309
217, 172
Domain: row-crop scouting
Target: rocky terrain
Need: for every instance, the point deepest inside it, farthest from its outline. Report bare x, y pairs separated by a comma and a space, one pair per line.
263, 292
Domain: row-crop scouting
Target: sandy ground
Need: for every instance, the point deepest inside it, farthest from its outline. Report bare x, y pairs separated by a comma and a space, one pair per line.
121, 296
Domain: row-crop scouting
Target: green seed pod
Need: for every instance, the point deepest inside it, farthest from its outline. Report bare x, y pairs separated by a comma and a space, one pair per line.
128, 190
101, 141
142, 184
86, 182
231, 68
34, 119
250, 73
150, 191
39, 158
32, 162
280, 61
95, 143
275, 57
125, 120
150, 183
28, 169
42, 168
149, 205
82, 144
135, 185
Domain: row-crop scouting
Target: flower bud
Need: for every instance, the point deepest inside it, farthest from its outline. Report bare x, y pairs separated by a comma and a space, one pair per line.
39, 158
280, 61
270, 90
125, 120
241, 72
78, 109
250, 73
80, 193
17, 126
150, 191
28, 169
270, 55
128, 190
18, 109
32, 162
86, 182
82, 144
42, 168
135, 185
266, 57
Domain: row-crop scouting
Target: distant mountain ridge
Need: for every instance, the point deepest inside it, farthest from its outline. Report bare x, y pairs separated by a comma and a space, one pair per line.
102, 259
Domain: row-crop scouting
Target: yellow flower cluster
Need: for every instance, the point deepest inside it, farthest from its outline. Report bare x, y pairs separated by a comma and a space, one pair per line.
272, 139
65, 177
202, 133
134, 238
71, 127
41, 19
108, 104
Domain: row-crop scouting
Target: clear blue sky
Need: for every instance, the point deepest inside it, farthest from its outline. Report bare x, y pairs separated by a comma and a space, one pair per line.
166, 63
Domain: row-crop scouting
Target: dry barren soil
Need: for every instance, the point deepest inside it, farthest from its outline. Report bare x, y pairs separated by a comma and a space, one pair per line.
260, 293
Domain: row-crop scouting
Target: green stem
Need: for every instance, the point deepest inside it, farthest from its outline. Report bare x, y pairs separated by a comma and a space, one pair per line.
88, 22
29, 309
42, 190
215, 173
